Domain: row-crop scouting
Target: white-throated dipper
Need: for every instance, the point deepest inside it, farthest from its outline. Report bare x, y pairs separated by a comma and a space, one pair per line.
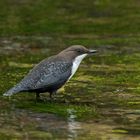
52, 73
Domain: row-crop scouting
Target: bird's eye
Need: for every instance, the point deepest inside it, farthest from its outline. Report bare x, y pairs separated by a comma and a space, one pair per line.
79, 51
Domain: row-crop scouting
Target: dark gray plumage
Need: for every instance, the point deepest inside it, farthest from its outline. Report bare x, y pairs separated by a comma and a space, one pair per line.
50, 74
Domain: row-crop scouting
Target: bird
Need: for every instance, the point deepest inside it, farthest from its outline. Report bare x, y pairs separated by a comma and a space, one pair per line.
52, 73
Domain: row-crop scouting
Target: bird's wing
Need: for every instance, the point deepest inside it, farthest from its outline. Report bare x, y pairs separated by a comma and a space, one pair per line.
47, 73
56, 73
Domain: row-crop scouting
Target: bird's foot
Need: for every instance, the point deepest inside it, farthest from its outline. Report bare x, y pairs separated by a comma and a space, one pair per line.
52, 96
38, 98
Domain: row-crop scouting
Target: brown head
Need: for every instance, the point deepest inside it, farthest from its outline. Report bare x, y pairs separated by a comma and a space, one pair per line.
76, 50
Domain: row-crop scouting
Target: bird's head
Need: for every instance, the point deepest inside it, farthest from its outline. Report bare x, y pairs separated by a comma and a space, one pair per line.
78, 51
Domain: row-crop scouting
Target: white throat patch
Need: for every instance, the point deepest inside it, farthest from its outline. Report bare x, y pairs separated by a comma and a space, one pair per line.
76, 64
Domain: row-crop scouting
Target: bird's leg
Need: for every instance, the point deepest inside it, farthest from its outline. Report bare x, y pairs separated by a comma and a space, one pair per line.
51, 94
37, 96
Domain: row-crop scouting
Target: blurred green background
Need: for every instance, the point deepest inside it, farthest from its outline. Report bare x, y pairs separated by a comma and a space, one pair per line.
102, 101
53, 17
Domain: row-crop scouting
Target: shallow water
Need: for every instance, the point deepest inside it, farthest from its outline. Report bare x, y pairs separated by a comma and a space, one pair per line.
102, 100
25, 124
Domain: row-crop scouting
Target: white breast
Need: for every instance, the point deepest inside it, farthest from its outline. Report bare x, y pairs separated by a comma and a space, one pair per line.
76, 64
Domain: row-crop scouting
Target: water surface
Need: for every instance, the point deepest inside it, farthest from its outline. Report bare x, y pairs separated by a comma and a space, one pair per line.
100, 102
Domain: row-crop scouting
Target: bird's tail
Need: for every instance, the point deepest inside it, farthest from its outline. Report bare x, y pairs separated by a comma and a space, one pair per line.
12, 91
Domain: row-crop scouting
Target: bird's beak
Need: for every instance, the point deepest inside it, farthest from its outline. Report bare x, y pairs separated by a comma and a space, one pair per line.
92, 51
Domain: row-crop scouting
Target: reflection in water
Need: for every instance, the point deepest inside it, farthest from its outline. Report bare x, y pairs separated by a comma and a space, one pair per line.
73, 125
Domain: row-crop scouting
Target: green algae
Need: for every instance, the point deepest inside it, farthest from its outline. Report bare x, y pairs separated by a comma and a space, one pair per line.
106, 87
90, 93
61, 109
